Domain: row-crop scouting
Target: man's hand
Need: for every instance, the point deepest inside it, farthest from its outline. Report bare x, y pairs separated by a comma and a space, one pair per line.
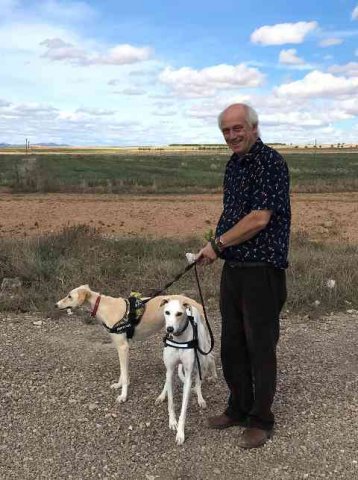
206, 255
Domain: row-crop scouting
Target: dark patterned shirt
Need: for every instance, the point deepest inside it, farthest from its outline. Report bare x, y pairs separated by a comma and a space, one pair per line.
258, 180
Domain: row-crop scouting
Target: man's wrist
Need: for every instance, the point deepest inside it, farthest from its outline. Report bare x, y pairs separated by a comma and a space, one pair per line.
217, 245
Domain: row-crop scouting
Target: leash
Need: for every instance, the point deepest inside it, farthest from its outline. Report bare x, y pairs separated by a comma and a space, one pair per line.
169, 284
205, 315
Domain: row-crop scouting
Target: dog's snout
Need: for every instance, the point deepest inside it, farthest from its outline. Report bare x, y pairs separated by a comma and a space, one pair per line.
170, 329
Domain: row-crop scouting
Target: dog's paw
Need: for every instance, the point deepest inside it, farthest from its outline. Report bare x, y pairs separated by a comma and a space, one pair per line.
121, 398
201, 403
116, 385
160, 399
173, 424
180, 437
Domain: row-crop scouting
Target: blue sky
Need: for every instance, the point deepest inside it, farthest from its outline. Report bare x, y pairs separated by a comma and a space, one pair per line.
157, 72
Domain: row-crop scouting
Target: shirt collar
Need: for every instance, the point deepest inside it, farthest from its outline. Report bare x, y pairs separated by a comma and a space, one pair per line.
256, 148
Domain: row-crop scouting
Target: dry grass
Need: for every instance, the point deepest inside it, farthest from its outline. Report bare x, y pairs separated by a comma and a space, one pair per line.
50, 266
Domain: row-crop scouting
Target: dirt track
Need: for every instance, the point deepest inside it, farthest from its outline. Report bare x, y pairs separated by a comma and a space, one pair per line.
330, 217
59, 418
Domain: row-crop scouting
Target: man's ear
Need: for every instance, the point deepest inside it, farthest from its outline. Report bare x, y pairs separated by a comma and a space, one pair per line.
163, 302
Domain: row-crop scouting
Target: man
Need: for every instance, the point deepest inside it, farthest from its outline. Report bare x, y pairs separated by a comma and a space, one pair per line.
252, 237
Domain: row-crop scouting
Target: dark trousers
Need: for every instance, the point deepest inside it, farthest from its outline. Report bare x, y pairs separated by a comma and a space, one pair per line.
251, 299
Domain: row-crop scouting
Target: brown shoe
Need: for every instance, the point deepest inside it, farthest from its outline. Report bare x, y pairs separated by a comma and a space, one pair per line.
223, 421
254, 437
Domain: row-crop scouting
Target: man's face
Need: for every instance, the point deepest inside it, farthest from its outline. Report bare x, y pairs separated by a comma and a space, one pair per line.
238, 133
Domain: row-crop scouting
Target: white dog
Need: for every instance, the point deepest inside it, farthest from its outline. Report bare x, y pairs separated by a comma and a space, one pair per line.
183, 324
112, 312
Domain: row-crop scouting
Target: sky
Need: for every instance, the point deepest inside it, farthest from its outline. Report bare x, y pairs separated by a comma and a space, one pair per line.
155, 72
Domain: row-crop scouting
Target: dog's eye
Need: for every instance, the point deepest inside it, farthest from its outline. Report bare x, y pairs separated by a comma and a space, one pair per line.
70, 297
179, 314
166, 312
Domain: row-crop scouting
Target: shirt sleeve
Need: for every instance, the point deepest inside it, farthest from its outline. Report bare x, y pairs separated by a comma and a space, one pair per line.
270, 185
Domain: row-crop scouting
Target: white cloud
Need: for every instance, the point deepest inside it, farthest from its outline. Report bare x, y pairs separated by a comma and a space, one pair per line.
349, 69
123, 54
59, 50
350, 106
131, 91
4, 103
318, 84
355, 13
289, 57
282, 33
302, 118
96, 111
200, 83
330, 42
164, 113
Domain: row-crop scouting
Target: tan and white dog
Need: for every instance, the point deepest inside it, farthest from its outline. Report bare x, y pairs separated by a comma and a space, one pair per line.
110, 311
184, 323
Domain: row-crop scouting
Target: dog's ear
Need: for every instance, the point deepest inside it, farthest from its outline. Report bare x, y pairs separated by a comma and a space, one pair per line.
186, 305
83, 294
163, 302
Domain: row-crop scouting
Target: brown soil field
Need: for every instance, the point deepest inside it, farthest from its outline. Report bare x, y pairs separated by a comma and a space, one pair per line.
329, 217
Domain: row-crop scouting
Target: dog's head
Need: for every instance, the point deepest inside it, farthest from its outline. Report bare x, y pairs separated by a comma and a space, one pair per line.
175, 314
75, 298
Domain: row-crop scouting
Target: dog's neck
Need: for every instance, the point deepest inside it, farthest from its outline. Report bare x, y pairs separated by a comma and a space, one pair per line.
109, 309
187, 335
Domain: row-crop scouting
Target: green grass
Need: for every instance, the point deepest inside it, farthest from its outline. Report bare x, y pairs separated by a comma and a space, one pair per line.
164, 172
52, 265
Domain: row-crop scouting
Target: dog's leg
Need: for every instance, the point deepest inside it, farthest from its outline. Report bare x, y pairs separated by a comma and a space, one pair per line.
162, 395
201, 401
214, 374
181, 372
169, 384
180, 437
120, 341
123, 351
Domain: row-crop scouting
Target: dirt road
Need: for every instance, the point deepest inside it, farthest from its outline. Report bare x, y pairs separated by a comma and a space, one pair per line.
59, 418
329, 217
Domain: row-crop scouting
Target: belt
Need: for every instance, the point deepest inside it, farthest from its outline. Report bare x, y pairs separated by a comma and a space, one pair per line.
234, 264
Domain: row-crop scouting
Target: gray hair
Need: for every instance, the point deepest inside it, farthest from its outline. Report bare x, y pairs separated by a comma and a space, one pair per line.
251, 116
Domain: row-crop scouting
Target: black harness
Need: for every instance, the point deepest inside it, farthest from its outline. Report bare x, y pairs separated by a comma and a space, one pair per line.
194, 343
135, 309
132, 317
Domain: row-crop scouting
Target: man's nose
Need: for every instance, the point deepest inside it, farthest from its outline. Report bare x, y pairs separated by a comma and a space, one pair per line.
170, 329
231, 134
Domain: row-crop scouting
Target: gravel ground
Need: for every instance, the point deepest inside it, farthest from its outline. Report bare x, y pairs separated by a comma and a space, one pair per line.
59, 418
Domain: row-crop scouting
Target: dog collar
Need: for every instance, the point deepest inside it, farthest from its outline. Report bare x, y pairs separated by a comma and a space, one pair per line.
95, 308
177, 334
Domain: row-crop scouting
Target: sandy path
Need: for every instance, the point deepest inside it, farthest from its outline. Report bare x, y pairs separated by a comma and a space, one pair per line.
332, 217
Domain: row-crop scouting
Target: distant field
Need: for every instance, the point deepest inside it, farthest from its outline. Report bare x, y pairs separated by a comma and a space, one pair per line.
163, 171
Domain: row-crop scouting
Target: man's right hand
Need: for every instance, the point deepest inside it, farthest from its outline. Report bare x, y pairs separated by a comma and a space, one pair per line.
206, 255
